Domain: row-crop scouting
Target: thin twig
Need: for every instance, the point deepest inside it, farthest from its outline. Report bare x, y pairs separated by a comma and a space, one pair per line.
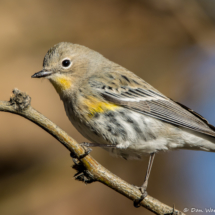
20, 104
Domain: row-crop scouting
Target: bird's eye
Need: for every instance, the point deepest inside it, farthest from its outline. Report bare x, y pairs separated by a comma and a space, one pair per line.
66, 63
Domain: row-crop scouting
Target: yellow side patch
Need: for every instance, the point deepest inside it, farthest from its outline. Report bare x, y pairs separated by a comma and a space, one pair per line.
61, 83
96, 106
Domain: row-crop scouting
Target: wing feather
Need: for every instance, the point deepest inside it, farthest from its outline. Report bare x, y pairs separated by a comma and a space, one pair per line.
158, 106
124, 88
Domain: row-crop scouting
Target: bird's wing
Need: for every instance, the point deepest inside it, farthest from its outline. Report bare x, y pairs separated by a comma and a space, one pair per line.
147, 100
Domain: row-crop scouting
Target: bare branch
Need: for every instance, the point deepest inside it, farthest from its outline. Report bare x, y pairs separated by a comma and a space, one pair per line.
89, 169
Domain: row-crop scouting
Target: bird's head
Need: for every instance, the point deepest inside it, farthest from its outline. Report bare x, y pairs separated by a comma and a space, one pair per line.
65, 63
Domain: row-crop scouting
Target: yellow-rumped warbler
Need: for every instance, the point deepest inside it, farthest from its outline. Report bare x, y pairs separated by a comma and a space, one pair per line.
117, 110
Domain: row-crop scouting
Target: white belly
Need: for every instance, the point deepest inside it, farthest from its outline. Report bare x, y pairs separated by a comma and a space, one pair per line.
135, 134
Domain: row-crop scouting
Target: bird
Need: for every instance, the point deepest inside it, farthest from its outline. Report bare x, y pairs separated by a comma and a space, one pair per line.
120, 112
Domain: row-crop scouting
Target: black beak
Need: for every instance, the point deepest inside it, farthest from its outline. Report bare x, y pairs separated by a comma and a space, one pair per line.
41, 74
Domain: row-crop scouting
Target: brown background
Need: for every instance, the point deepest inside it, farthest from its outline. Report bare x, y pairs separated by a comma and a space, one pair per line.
168, 43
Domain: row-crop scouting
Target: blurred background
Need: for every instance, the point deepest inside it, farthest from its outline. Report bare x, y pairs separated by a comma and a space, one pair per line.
170, 44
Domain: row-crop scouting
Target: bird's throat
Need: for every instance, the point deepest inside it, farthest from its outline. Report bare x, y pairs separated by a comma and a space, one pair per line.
61, 83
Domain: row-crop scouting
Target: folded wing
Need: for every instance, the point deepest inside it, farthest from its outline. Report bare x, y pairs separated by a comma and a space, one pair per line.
154, 104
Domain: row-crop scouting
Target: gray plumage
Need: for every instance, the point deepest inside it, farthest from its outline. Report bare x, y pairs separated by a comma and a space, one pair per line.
145, 121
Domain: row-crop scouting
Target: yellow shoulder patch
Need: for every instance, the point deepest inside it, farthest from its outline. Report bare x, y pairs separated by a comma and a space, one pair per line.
96, 106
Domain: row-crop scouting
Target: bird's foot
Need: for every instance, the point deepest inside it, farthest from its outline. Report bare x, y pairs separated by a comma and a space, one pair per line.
87, 151
143, 196
82, 173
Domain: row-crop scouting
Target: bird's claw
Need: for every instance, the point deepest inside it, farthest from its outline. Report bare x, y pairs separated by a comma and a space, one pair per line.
87, 151
143, 196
